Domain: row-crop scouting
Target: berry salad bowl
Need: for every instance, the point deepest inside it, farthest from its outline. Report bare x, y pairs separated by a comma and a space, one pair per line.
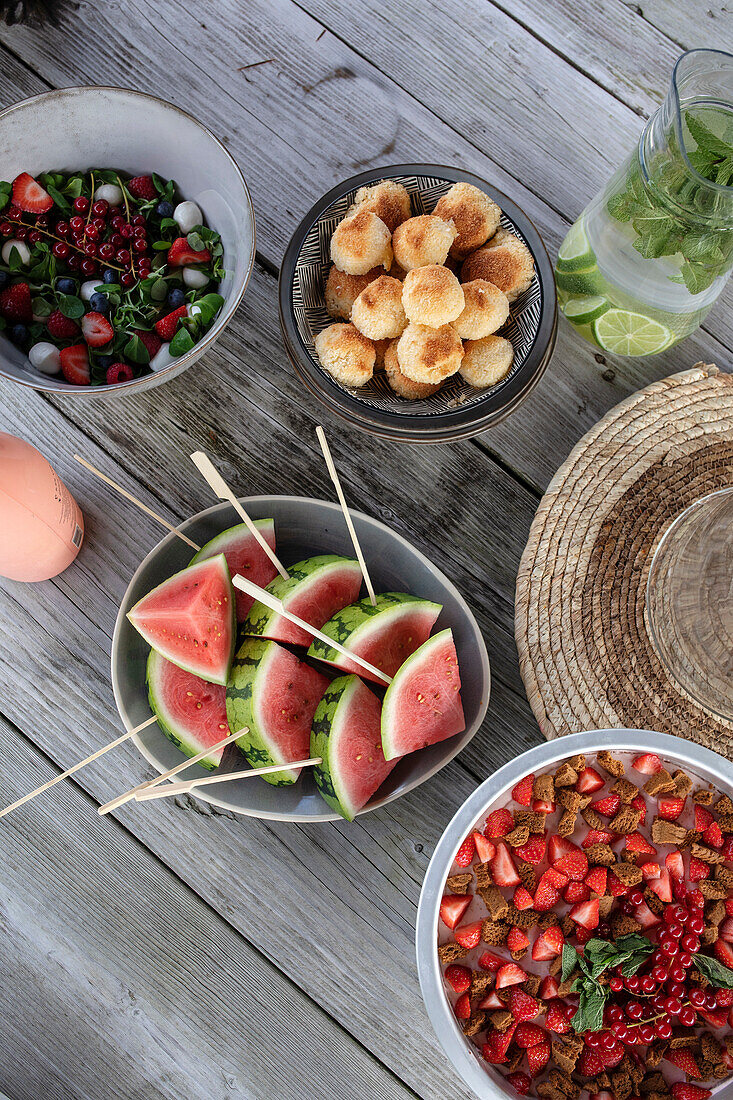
647, 844
141, 169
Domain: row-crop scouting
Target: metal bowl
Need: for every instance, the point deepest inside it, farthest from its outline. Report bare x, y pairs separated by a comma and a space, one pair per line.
708, 766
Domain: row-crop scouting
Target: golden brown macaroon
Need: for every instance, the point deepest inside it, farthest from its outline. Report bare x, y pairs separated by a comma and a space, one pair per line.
432, 295
485, 311
422, 240
387, 199
429, 354
347, 355
360, 242
378, 312
474, 214
486, 361
505, 261
342, 290
399, 382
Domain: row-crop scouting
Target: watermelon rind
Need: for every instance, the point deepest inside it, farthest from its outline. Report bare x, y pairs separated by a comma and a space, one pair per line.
183, 738
356, 624
262, 621
205, 672
230, 538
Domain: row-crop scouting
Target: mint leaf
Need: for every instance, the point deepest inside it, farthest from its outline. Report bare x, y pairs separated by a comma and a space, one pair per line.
721, 976
569, 961
589, 1015
703, 247
697, 278
706, 139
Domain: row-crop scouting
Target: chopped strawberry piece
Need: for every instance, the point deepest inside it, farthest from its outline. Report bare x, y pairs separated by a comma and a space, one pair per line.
485, 849
28, 195
639, 803
597, 836
96, 329
555, 877
468, 935
15, 303
662, 886
167, 325
522, 793
703, 818
517, 939
509, 974
557, 1018
542, 806
725, 931
675, 865
462, 1007
597, 880
724, 952
496, 1046
466, 852
142, 187
684, 1060
546, 895
492, 1001
717, 1017
698, 869
589, 781
729, 906
648, 763
635, 842
575, 892
452, 906
713, 835
498, 823
528, 1035
574, 865
537, 1057
590, 1063
534, 850
559, 846
683, 1090
490, 961
727, 849
616, 887
520, 1082
586, 913
502, 866
612, 1057
549, 987
181, 253
548, 944
458, 977
607, 806
651, 870
522, 1006
522, 898
724, 997
75, 364
644, 915
670, 807
582, 935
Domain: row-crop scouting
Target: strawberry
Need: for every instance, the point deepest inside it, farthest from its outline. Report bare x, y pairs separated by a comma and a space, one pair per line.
499, 823
724, 997
28, 195
612, 1057
556, 878
462, 1007
522, 1006
725, 931
485, 850
458, 977
520, 1082
574, 865
589, 781
522, 898
724, 952
517, 939
727, 849
684, 1060
548, 944
180, 253
639, 803
509, 974
466, 852
597, 880
582, 935
75, 365
537, 1057
468, 935
559, 846
15, 303
644, 915
549, 987
616, 887
635, 842
546, 896
152, 344
542, 806
675, 865
607, 806
651, 870
497, 1044
713, 835
671, 807
586, 913
167, 325
683, 1090
590, 1063
534, 850
452, 906
62, 328
698, 869
729, 906
490, 961
717, 1017
528, 1035
575, 892
648, 763
522, 793
662, 886
96, 329
119, 372
492, 1001
502, 867
703, 818
142, 187
557, 1018
597, 836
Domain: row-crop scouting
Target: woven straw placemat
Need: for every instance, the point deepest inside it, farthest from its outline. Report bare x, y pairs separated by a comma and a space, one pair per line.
586, 658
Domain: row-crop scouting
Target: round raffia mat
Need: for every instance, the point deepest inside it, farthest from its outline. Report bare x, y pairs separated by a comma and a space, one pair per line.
586, 658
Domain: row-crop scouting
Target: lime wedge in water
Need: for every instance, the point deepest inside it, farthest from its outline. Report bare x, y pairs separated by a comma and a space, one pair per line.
580, 283
575, 252
627, 333
581, 311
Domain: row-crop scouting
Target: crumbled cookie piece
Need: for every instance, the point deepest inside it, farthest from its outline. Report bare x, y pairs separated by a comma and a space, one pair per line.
652, 1081
724, 876
518, 836
534, 821
564, 1083
724, 805
605, 904
571, 800
501, 1018
547, 920
655, 1053
565, 776
481, 981
693, 835
577, 762
704, 796
451, 952
458, 884
532, 984
475, 1024
707, 855
592, 818
710, 889
626, 820
527, 874
654, 902
621, 925
660, 782
666, 832
611, 764
628, 873
621, 1085
682, 783
709, 934
625, 789
602, 854
565, 1053
711, 1049
543, 788
483, 875
567, 924
494, 931
522, 918
496, 903
566, 825
725, 821
715, 910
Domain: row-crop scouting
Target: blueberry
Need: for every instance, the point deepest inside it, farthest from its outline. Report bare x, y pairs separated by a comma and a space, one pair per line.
19, 334
4, 279
66, 286
99, 303
109, 276
105, 361
176, 298
164, 209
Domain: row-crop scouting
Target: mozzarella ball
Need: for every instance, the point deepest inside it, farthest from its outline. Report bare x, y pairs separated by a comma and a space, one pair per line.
194, 278
347, 355
422, 240
187, 216
486, 361
361, 242
22, 249
432, 295
342, 290
161, 359
474, 214
399, 382
485, 311
45, 357
88, 288
389, 200
378, 312
429, 354
110, 192
505, 261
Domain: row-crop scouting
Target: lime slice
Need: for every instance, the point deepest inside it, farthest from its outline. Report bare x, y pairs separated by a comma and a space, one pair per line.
627, 333
581, 311
580, 284
575, 252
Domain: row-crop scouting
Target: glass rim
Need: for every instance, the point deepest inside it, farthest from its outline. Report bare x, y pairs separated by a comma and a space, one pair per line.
724, 189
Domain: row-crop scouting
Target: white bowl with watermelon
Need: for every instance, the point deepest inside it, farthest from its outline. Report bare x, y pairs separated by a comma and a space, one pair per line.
205, 660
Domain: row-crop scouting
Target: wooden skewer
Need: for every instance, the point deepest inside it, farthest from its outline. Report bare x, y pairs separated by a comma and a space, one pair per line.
191, 784
128, 795
139, 503
347, 515
275, 604
70, 771
209, 472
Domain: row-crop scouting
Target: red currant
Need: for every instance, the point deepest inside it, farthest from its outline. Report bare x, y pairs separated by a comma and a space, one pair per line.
697, 997
139, 231
660, 973
126, 230
90, 248
76, 222
634, 1010
116, 241
6, 229
647, 1033
42, 221
91, 232
62, 229
139, 245
74, 261
138, 219
685, 960
688, 1016
664, 1029
673, 1005
81, 204
123, 256
106, 251
61, 250
616, 984
648, 985
100, 208
127, 279
695, 924
635, 897
34, 236
678, 973
88, 267
668, 946
620, 1030
13, 213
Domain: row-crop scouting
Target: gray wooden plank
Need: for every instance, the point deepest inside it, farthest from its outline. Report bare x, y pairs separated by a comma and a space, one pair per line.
694, 25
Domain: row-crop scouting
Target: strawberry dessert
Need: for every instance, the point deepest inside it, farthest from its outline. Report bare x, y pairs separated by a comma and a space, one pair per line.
586, 933
104, 277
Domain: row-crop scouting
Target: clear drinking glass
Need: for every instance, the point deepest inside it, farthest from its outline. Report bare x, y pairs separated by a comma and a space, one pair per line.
644, 262
689, 601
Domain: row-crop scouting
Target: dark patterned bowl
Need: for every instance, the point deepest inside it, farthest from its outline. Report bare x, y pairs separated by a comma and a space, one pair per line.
457, 409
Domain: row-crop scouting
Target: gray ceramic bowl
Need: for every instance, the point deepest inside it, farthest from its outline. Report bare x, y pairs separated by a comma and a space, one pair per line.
486, 1081
90, 127
303, 527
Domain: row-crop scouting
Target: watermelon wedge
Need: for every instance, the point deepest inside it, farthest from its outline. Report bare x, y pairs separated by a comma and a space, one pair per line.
423, 703
244, 555
347, 735
275, 695
189, 619
385, 635
190, 711
316, 589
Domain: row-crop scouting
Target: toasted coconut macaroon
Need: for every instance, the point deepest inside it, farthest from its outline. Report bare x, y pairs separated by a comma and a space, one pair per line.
347, 355
432, 295
378, 312
342, 290
504, 261
429, 354
474, 214
360, 242
486, 361
486, 309
387, 199
423, 240
399, 382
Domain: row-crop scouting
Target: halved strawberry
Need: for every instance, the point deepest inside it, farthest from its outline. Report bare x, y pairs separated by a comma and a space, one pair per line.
15, 303
729, 906
528, 1035
491, 1001
502, 866
727, 849
462, 1007
468, 935
520, 1082
522, 793
586, 913
548, 944
590, 1063
180, 253
651, 870
534, 850
575, 892
724, 952
549, 987
542, 806
616, 887
546, 895
724, 997
557, 1018
75, 367
96, 329
713, 835
639, 803
522, 1006
574, 865
675, 864
458, 977
703, 818
142, 187
485, 849
607, 806
489, 961
635, 842
597, 880
509, 974
644, 915
698, 869
522, 898
556, 878
559, 846
589, 781
28, 195
670, 807
498, 823
497, 1043
452, 906
167, 325
517, 939
466, 852
725, 931
537, 1057
684, 1060
648, 763
683, 1090
662, 886
613, 1056
716, 1017
597, 836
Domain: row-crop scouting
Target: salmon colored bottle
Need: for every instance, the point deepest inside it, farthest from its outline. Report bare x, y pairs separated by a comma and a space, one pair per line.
41, 525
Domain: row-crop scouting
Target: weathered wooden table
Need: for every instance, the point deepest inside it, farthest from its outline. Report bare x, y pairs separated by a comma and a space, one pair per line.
175, 951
